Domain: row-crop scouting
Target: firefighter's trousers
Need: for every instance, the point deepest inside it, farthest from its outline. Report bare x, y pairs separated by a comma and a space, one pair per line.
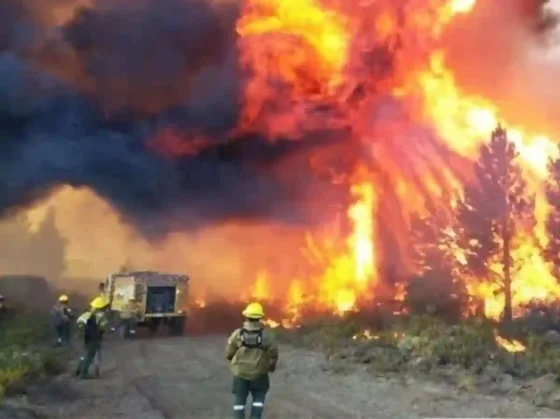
242, 389
63, 333
91, 356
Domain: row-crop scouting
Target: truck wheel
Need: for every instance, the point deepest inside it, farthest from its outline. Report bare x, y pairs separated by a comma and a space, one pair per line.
177, 326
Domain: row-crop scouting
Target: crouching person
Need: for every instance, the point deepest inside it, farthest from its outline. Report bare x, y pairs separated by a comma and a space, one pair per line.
94, 323
253, 355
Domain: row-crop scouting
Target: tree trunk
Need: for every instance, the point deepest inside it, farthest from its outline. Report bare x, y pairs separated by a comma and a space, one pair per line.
508, 309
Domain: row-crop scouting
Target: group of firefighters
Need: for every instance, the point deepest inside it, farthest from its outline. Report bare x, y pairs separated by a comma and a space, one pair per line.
94, 323
250, 350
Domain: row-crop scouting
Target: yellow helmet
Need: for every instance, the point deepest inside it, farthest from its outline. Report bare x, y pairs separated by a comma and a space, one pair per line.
63, 298
254, 311
98, 302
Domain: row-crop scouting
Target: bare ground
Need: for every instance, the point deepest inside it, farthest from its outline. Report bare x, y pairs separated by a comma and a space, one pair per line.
188, 378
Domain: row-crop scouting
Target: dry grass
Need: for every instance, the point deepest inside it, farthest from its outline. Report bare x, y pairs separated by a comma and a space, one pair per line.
425, 343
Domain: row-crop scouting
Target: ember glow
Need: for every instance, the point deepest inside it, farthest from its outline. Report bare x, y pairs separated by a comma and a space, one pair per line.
510, 345
369, 96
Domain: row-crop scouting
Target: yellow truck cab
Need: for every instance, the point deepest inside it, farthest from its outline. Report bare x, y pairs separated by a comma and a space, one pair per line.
161, 298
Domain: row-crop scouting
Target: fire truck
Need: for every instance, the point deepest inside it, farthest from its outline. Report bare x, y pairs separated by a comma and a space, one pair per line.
160, 298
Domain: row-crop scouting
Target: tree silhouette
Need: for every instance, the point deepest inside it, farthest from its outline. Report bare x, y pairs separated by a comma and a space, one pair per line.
436, 289
15, 241
24, 252
552, 251
48, 248
494, 207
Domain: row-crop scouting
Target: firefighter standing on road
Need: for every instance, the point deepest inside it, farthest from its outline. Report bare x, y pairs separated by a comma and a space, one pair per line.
95, 324
253, 355
128, 317
61, 316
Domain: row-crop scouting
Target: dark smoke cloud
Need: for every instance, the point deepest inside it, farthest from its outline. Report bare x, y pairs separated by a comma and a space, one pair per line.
80, 103
83, 94
151, 52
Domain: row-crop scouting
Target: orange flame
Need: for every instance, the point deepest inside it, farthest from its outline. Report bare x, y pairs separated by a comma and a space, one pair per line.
261, 288
309, 46
352, 273
510, 345
465, 121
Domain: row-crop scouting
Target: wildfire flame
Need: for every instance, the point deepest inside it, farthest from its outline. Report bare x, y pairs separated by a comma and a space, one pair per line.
510, 345
462, 119
200, 302
369, 335
325, 55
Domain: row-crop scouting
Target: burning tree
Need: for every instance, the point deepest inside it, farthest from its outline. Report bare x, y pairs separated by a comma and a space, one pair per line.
495, 206
436, 289
552, 251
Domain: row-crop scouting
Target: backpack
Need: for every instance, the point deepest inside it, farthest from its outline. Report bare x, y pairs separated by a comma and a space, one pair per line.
91, 330
251, 338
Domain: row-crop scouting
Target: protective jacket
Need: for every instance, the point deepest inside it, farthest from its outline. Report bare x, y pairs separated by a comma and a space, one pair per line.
60, 314
252, 351
95, 324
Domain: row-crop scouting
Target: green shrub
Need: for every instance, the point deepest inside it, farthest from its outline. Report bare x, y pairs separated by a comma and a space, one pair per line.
466, 344
26, 352
423, 343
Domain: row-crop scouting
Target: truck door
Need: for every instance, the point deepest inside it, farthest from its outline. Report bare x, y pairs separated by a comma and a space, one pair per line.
124, 290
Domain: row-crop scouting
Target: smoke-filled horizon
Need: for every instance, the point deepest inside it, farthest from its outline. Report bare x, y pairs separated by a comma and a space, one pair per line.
85, 94
161, 109
98, 100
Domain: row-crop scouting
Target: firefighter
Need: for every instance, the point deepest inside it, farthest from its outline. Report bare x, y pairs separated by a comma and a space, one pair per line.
61, 316
95, 324
128, 317
253, 354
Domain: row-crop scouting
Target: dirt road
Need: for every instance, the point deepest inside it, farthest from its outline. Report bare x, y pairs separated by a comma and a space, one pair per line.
188, 378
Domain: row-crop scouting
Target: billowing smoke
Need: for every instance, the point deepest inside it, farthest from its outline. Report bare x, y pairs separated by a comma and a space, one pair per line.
141, 100
86, 94
504, 51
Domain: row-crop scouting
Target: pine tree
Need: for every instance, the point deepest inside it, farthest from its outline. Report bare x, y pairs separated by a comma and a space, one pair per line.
436, 288
495, 205
552, 251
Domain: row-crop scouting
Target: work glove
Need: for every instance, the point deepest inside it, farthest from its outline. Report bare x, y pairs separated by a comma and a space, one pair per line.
272, 368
